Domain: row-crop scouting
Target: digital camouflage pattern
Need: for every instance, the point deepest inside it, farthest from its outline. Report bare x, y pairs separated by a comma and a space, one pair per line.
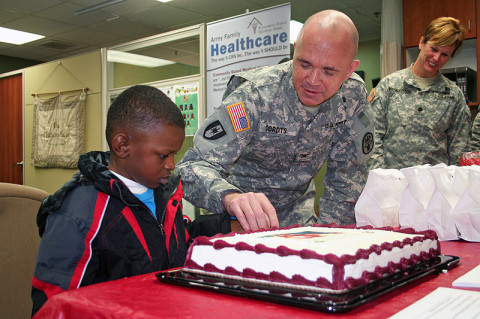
415, 126
475, 141
275, 146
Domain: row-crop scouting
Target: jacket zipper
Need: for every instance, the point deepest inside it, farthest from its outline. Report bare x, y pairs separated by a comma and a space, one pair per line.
160, 225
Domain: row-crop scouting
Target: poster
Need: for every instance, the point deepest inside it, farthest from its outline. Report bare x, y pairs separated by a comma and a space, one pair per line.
242, 43
185, 96
185, 93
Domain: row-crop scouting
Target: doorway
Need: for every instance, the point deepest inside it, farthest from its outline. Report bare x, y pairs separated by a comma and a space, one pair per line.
11, 129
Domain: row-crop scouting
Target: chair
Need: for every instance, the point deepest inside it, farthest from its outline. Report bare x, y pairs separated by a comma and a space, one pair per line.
19, 242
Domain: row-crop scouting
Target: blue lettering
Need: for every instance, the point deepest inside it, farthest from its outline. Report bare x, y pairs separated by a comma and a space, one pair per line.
214, 49
248, 43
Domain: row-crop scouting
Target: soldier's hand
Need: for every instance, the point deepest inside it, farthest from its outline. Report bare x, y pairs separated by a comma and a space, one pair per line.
253, 210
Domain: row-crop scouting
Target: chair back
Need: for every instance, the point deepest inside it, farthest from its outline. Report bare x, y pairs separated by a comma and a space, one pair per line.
19, 241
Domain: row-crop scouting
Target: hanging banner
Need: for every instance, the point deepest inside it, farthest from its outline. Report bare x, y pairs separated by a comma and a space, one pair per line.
242, 43
58, 130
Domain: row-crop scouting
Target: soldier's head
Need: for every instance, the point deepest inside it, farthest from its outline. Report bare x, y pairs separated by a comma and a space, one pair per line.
441, 39
444, 31
324, 56
145, 129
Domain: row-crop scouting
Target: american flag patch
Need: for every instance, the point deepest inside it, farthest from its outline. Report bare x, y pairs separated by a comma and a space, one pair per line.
239, 117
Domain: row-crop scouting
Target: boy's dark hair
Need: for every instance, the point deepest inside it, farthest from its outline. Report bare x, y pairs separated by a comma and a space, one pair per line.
141, 107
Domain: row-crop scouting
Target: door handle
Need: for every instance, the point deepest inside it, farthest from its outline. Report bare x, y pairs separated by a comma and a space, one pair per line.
19, 164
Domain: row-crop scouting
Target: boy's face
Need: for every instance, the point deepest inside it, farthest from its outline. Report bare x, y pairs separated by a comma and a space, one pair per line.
150, 157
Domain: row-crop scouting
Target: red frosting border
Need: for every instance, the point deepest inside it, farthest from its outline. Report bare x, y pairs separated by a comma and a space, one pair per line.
337, 262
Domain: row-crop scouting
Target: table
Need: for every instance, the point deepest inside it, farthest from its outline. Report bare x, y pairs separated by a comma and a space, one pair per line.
145, 297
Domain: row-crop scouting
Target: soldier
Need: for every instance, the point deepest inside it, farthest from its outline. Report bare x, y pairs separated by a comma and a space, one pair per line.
475, 141
256, 156
421, 117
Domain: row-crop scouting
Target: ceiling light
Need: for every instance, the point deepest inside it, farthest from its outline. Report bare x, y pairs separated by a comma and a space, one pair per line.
17, 37
295, 28
136, 59
164, 0
97, 6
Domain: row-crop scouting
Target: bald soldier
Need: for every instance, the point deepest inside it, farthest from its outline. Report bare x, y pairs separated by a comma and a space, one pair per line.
256, 156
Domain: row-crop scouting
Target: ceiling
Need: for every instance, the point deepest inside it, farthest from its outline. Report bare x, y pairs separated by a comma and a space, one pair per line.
68, 34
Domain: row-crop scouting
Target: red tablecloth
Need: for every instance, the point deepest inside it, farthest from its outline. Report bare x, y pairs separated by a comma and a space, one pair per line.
145, 297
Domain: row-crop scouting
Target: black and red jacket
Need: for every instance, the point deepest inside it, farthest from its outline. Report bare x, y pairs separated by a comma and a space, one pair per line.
94, 229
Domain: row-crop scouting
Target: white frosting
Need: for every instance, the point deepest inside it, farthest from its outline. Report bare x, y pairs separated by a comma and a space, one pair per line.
337, 241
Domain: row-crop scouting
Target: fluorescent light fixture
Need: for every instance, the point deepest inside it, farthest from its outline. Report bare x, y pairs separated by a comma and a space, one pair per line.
136, 59
17, 37
97, 6
295, 28
164, 0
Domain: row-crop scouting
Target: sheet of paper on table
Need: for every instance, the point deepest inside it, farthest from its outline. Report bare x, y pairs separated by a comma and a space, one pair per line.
444, 303
470, 280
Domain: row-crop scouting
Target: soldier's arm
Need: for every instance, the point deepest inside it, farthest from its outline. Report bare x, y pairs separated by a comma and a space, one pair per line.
217, 145
459, 132
346, 164
378, 104
475, 141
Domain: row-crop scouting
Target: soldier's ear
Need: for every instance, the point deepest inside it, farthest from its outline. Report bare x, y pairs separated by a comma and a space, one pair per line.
353, 66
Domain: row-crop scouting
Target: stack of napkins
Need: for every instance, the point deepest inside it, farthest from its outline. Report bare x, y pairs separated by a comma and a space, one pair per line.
443, 198
470, 280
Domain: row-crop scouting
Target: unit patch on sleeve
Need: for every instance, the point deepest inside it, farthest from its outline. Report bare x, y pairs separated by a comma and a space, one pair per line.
214, 131
367, 143
372, 95
239, 117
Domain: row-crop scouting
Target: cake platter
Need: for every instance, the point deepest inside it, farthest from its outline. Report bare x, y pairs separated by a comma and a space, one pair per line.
306, 296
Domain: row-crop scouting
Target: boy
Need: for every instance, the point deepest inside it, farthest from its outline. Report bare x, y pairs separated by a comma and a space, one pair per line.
121, 214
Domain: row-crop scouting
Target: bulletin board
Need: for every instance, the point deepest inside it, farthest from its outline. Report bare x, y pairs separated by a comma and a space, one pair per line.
185, 96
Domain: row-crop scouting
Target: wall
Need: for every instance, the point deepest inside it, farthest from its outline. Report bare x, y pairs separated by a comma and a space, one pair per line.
72, 73
369, 56
127, 75
8, 64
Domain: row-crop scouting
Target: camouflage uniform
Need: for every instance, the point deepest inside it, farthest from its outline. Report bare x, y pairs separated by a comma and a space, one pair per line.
276, 147
475, 142
415, 126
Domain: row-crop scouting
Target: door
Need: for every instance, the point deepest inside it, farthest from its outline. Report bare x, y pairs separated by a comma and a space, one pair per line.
11, 129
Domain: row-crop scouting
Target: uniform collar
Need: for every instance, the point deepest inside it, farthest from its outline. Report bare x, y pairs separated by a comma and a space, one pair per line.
439, 84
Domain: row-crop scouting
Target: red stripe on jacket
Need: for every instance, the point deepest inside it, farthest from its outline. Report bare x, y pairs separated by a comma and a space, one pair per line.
127, 212
171, 211
99, 211
49, 289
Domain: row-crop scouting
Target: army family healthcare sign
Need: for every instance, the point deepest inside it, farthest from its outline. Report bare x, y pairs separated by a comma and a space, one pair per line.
242, 43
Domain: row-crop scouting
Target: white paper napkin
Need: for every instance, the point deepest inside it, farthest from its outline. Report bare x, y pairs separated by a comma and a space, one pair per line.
378, 204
